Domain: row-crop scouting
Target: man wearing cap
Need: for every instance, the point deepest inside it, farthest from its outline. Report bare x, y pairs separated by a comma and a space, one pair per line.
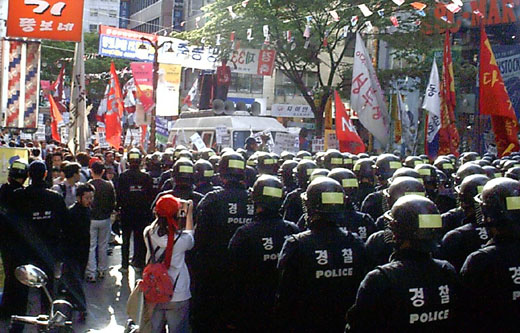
40, 215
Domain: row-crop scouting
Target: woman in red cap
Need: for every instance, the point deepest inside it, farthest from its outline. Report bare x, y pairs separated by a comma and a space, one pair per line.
175, 313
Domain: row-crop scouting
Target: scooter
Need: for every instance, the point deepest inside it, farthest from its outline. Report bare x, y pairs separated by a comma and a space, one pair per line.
60, 318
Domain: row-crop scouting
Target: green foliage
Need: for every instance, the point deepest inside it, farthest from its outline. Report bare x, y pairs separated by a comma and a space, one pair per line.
299, 55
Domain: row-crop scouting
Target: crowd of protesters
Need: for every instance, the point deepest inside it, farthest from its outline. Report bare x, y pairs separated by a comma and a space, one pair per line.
322, 242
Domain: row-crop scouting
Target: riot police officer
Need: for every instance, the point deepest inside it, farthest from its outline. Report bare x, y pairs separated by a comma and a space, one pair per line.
254, 251
354, 221
204, 174
413, 292
134, 197
492, 273
380, 244
471, 235
292, 206
155, 170
286, 175
183, 179
320, 268
9, 249
363, 168
39, 216
431, 183
386, 165
332, 159
218, 216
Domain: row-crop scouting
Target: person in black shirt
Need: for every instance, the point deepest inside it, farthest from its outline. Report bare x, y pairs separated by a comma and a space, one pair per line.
254, 252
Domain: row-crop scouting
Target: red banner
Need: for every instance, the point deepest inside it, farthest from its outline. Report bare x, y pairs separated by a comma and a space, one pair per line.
494, 100
266, 62
143, 77
349, 140
114, 110
55, 118
448, 135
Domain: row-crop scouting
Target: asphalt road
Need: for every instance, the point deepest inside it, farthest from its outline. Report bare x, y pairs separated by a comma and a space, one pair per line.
106, 300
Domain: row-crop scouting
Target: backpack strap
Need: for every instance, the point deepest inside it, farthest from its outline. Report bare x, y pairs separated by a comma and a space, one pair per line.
152, 256
63, 189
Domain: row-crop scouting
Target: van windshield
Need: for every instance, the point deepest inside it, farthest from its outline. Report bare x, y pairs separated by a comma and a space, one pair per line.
239, 138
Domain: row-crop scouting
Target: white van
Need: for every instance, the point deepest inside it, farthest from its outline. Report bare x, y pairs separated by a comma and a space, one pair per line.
239, 126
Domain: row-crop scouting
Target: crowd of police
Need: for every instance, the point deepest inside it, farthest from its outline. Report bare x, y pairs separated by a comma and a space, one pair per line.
305, 243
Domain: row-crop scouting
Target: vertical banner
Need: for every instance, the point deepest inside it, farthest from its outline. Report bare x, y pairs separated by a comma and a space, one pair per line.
168, 87
23, 85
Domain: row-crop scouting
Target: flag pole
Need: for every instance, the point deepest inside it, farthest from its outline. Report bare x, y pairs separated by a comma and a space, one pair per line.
77, 130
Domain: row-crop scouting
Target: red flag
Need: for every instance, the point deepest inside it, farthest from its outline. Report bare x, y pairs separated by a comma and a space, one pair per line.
494, 100
55, 119
349, 140
115, 109
448, 135
58, 91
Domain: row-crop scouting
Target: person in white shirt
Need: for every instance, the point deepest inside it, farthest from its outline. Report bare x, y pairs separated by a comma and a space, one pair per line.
174, 314
67, 188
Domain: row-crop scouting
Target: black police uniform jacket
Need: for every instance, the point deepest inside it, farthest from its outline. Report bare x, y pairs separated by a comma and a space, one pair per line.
492, 277
320, 272
134, 196
412, 293
219, 214
453, 219
42, 217
373, 204
254, 250
292, 206
458, 244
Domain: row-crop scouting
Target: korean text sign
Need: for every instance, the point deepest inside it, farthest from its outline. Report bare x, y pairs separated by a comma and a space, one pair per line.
46, 19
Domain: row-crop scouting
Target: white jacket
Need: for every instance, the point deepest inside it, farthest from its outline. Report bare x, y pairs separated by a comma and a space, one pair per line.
178, 266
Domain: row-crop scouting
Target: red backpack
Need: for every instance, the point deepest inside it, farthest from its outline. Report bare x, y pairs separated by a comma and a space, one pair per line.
157, 286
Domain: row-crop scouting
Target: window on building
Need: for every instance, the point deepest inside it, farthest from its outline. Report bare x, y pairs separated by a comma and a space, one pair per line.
149, 27
93, 27
246, 83
285, 87
94, 12
112, 13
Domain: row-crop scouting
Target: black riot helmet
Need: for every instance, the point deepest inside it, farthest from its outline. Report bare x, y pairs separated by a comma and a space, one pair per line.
468, 189
303, 155
19, 169
346, 178
267, 193
500, 202
287, 156
286, 173
185, 154
445, 165
232, 166
206, 153
430, 179
415, 219
251, 175
468, 169
363, 168
332, 159
513, 173
492, 172
402, 186
468, 157
405, 172
134, 157
319, 172
348, 160
324, 199
204, 171
183, 171
413, 161
214, 160
303, 172
242, 152
266, 164
385, 166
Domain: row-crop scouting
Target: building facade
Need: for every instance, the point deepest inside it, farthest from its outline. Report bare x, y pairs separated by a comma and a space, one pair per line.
156, 16
100, 12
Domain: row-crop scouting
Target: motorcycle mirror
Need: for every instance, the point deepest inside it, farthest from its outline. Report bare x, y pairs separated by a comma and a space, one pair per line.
31, 276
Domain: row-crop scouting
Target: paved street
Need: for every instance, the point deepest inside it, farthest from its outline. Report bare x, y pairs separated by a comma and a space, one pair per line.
106, 301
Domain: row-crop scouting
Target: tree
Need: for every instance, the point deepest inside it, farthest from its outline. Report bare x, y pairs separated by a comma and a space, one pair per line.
325, 49
56, 54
